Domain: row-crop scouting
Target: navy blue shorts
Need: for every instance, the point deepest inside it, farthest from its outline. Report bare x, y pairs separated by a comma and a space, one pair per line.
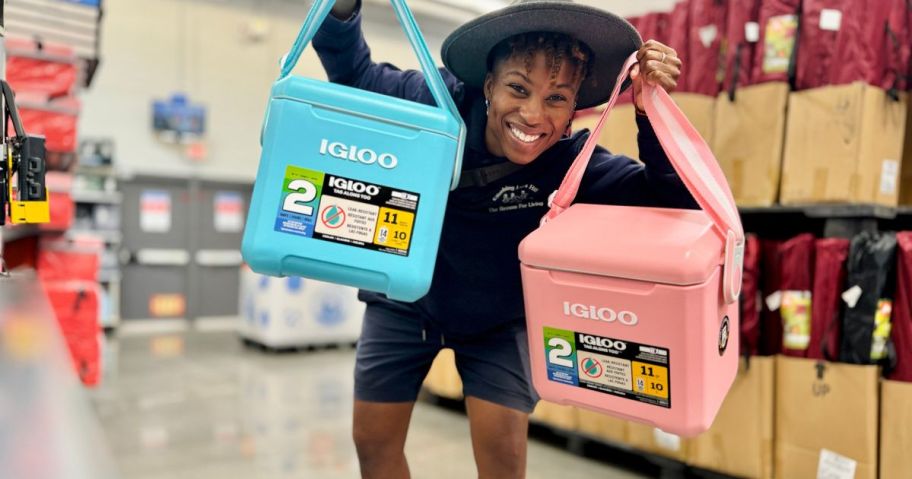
397, 347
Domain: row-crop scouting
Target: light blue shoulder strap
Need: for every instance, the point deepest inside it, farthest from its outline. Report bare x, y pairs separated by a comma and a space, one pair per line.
317, 14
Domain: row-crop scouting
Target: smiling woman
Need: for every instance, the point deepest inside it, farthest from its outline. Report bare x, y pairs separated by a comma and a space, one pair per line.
531, 93
517, 76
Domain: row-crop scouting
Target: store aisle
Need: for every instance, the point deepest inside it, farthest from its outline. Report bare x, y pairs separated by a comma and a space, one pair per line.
202, 406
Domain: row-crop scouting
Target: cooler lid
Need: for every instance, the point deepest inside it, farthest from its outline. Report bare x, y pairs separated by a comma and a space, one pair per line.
668, 246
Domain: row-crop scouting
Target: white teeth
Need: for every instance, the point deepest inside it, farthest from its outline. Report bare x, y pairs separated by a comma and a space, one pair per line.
522, 136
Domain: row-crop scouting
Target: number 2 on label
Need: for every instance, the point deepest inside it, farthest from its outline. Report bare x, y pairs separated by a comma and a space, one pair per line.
305, 192
560, 353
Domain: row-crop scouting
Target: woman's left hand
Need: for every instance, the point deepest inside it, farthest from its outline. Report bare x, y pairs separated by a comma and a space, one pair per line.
658, 65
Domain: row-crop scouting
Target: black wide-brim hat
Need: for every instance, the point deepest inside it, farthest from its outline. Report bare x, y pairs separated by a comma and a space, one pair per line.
611, 39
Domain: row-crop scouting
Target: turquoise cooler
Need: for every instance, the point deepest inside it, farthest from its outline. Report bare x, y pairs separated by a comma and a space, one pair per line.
352, 185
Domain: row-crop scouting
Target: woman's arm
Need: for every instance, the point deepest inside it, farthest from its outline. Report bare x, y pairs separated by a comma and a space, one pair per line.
343, 9
347, 60
616, 179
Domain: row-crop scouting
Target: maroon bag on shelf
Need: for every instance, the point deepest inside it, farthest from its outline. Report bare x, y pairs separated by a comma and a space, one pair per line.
797, 256
654, 26
771, 281
899, 46
775, 54
842, 41
902, 310
750, 307
679, 39
742, 33
829, 283
707, 29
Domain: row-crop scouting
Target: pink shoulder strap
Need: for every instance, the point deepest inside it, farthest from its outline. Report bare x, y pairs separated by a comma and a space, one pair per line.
692, 160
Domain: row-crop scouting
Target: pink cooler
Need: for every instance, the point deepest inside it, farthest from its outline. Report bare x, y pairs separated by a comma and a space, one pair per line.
633, 311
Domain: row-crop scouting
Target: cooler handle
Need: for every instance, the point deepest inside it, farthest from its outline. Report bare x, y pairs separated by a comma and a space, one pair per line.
317, 14
692, 160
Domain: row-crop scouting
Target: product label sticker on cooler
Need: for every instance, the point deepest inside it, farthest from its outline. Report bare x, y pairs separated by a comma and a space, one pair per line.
342, 210
625, 369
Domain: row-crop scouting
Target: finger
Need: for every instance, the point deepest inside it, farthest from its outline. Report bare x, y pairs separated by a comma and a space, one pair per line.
666, 68
662, 79
635, 72
657, 45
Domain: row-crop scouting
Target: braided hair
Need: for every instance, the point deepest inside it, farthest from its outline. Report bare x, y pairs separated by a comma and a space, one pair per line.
557, 47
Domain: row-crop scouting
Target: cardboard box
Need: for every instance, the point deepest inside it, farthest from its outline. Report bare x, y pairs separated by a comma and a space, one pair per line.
603, 427
826, 419
555, 415
748, 138
843, 144
905, 188
896, 429
620, 133
652, 440
443, 378
740, 441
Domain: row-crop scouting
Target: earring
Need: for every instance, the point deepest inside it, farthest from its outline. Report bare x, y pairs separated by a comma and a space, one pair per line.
487, 106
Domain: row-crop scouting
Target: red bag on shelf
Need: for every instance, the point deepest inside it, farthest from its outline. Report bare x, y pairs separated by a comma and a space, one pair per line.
67, 264
85, 354
842, 41
76, 305
738, 48
55, 119
49, 69
707, 29
829, 283
750, 308
60, 201
797, 255
679, 39
902, 310
771, 286
778, 36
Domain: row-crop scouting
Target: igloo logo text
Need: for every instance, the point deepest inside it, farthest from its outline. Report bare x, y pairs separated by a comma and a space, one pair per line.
596, 313
361, 155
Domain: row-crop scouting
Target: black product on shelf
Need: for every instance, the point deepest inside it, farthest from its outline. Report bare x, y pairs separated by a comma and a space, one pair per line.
826, 306
902, 311
872, 257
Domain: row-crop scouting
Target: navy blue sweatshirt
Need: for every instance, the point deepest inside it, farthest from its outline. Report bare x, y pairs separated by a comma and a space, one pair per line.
477, 285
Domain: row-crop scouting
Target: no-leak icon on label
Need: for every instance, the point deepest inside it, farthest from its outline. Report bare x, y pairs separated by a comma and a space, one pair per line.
333, 216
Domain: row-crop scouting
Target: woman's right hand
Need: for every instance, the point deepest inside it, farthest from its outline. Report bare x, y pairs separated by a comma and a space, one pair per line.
343, 9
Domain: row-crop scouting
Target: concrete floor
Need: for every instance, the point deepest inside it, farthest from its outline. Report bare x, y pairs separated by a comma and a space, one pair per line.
200, 406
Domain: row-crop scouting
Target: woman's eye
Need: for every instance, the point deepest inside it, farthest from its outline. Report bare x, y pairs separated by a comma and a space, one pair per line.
557, 98
518, 88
